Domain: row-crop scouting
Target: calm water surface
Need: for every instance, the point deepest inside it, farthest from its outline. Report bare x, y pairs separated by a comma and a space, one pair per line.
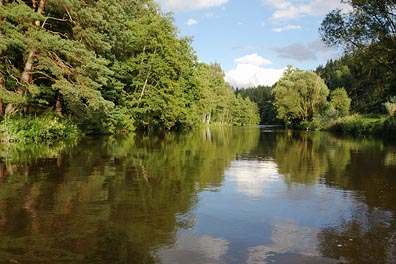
230, 195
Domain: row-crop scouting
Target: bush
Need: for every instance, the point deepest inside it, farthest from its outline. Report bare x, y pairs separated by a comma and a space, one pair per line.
358, 125
389, 126
390, 106
46, 127
119, 120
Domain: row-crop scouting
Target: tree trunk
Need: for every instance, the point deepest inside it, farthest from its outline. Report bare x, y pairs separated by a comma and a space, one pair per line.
58, 106
26, 77
1, 87
1, 107
40, 10
26, 80
146, 80
144, 86
206, 118
1, 74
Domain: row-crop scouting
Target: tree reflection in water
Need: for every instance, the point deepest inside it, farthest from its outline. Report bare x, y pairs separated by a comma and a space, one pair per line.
294, 196
113, 200
362, 167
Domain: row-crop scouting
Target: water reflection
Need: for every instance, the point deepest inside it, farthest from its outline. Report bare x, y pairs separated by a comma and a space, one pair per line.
109, 200
252, 177
195, 249
291, 244
221, 195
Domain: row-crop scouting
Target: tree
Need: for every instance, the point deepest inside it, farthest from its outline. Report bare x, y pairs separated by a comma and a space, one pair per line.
368, 34
45, 67
264, 98
299, 95
369, 22
107, 65
340, 101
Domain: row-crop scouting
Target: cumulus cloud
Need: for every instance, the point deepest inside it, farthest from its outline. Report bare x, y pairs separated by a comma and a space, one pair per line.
310, 51
285, 10
189, 5
253, 59
286, 28
191, 22
250, 72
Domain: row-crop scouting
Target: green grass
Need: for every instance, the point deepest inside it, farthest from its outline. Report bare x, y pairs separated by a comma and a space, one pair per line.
44, 128
358, 124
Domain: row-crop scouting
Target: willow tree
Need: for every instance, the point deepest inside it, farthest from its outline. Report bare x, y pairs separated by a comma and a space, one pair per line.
299, 95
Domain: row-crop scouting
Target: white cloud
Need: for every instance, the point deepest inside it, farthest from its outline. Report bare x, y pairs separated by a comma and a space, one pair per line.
253, 59
191, 22
286, 28
285, 10
250, 72
188, 5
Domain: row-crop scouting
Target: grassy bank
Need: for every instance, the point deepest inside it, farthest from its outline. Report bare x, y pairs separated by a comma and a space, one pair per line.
358, 124
37, 129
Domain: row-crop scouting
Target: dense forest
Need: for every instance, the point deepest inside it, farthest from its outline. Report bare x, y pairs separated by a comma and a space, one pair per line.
106, 66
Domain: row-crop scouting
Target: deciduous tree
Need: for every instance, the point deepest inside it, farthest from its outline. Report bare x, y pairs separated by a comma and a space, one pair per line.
299, 95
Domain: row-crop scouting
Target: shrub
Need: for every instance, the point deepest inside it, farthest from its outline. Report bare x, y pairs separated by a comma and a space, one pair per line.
327, 119
390, 106
46, 127
119, 120
357, 125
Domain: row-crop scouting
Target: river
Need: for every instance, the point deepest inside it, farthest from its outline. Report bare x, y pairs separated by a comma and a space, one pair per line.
221, 195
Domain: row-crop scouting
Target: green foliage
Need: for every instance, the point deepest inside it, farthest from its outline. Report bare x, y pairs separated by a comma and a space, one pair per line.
389, 127
299, 95
110, 66
119, 120
264, 98
357, 124
43, 128
390, 106
368, 35
368, 86
340, 101
324, 120
218, 103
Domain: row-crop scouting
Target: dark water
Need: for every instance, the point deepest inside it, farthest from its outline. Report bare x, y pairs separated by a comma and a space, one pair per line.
230, 195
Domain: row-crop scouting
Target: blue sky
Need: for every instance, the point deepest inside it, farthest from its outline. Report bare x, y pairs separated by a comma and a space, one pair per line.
254, 40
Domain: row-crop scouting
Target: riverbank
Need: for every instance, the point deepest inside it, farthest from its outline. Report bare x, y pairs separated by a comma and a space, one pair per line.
37, 129
358, 124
